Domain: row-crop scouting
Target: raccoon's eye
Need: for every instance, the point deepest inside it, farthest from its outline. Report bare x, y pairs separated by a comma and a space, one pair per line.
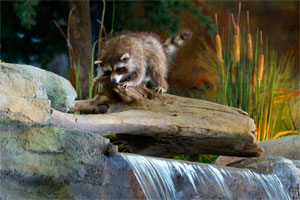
120, 70
125, 57
107, 73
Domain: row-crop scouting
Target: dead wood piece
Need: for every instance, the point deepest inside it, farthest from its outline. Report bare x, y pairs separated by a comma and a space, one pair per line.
168, 147
97, 105
163, 124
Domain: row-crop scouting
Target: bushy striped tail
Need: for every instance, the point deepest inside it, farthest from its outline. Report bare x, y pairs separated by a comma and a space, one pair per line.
173, 43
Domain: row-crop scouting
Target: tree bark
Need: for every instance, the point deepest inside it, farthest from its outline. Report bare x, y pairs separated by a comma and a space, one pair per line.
80, 39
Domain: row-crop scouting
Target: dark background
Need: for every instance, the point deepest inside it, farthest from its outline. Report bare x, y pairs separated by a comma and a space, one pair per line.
42, 44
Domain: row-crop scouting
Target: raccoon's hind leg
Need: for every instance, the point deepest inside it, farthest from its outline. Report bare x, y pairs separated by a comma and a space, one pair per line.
159, 81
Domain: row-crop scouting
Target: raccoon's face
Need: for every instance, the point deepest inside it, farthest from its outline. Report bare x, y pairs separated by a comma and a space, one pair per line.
116, 68
120, 69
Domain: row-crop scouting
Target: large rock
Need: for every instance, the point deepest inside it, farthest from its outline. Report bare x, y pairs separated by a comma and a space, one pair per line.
59, 90
35, 149
287, 171
287, 147
22, 98
42, 162
281, 157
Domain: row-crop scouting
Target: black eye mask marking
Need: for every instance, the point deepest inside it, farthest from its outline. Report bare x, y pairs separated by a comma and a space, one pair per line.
121, 70
107, 73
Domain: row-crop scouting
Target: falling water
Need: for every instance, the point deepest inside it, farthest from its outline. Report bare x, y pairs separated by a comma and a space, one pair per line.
170, 179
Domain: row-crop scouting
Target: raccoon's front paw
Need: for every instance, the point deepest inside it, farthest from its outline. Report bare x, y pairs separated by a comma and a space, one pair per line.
124, 85
96, 80
160, 89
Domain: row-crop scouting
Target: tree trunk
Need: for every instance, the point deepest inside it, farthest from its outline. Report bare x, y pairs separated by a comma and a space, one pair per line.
80, 39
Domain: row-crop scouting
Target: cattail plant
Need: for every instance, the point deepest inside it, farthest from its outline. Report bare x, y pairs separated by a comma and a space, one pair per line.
219, 47
236, 42
236, 49
249, 40
261, 67
233, 74
218, 42
254, 77
249, 75
249, 47
261, 61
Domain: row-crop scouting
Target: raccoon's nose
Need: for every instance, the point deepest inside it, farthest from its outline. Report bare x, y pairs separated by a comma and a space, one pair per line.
114, 80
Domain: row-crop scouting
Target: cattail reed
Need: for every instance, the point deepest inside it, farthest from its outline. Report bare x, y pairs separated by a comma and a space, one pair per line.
250, 103
249, 47
236, 41
236, 49
223, 68
237, 31
218, 42
233, 21
219, 47
254, 77
261, 66
233, 74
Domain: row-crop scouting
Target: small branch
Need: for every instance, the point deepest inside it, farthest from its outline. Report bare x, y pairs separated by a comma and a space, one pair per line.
239, 14
71, 52
216, 17
248, 21
102, 25
233, 22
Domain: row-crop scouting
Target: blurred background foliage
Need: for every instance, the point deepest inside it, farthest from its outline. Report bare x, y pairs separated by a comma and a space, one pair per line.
28, 35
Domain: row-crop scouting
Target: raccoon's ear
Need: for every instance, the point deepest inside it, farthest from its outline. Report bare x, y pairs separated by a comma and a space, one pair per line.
98, 62
125, 57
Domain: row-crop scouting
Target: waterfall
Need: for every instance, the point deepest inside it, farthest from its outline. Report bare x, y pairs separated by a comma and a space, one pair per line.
171, 179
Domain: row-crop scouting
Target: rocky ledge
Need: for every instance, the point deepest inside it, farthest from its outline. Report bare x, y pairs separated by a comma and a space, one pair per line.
39, 161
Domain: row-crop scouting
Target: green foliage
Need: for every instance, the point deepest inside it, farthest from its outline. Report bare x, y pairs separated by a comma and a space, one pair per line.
25, 10
212, 29
205, 158
41, 42
91, 75
197, 11
161, 15
205, 20
181, 157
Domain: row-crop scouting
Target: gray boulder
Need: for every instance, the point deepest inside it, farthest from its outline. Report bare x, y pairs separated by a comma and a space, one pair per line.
287, 147
22, 98
42, 162
287, 171
59, 90
281, 157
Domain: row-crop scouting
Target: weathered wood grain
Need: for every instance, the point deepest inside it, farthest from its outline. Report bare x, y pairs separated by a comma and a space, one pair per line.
166, 125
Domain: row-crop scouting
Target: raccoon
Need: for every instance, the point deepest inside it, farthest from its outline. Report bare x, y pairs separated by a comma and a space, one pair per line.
133, 59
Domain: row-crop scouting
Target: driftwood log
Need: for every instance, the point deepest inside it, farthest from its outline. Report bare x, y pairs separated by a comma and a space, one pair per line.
163, 125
